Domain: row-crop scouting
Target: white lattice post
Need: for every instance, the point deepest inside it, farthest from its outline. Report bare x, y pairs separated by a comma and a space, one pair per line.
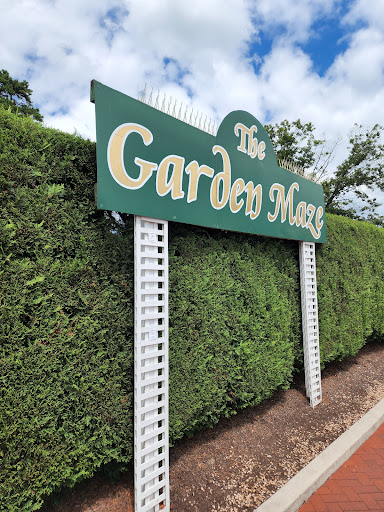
151, 460
309, 311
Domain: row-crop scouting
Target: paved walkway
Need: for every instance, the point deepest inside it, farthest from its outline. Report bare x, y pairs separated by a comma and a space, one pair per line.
357, 485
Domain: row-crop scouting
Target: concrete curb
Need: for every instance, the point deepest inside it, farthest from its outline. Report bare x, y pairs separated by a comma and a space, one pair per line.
301, 487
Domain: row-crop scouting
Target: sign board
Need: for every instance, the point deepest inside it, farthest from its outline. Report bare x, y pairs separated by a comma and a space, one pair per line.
151, 164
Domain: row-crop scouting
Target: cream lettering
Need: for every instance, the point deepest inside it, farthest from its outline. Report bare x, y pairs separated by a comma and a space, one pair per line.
304, 213
115, 156
223, 178
254, 148
283, 203
175, 182
243, 197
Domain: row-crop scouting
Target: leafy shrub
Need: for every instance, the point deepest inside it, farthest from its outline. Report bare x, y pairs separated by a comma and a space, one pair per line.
234, 323
350, 276
66, 316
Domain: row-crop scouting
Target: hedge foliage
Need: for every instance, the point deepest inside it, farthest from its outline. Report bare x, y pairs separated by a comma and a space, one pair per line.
234, 323
66, 317
350, 275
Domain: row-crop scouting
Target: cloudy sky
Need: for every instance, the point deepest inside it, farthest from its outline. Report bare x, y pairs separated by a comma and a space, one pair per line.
317, 60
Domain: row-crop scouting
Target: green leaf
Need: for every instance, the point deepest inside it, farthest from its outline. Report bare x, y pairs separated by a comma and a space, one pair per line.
37, 279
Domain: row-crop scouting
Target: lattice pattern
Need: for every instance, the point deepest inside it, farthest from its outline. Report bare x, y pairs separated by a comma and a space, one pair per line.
310, 322
151, 366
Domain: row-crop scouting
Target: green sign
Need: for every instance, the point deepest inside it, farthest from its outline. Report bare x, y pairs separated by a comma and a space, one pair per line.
151, 164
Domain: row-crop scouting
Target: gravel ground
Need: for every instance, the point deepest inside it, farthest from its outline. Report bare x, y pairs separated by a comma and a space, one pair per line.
239, 463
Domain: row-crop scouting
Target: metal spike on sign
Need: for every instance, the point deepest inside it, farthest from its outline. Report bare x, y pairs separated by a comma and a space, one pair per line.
174, 109
163, 104
169, 107
179, 114
143, 95
157, 100
200, 118
292, 166
150, 98
195, 122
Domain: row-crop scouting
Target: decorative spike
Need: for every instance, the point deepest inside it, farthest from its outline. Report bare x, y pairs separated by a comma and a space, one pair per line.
157, 100
174, 109
195, 123
290, 165
150, 98
179, 114
200, 121
144, 93
163, 104
171, 107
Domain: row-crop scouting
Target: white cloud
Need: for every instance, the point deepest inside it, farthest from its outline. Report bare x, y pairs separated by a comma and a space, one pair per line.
362, 11
185, 30
362, 65
197, 52
296, 16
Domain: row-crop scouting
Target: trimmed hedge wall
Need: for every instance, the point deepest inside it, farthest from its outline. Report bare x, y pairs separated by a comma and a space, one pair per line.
234, 323
66, 317
350, 275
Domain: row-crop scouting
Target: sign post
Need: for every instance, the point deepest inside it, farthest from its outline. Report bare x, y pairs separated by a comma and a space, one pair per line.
310, 322
151, 459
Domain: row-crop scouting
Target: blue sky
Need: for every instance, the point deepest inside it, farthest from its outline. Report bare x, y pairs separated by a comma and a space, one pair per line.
318, 60
328, 39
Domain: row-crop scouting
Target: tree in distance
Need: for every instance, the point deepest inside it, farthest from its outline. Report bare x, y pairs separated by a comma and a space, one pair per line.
16, 95
349, 189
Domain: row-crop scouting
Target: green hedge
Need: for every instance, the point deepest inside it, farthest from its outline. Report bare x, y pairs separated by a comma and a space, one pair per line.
350, 274
66, 316
234, 323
